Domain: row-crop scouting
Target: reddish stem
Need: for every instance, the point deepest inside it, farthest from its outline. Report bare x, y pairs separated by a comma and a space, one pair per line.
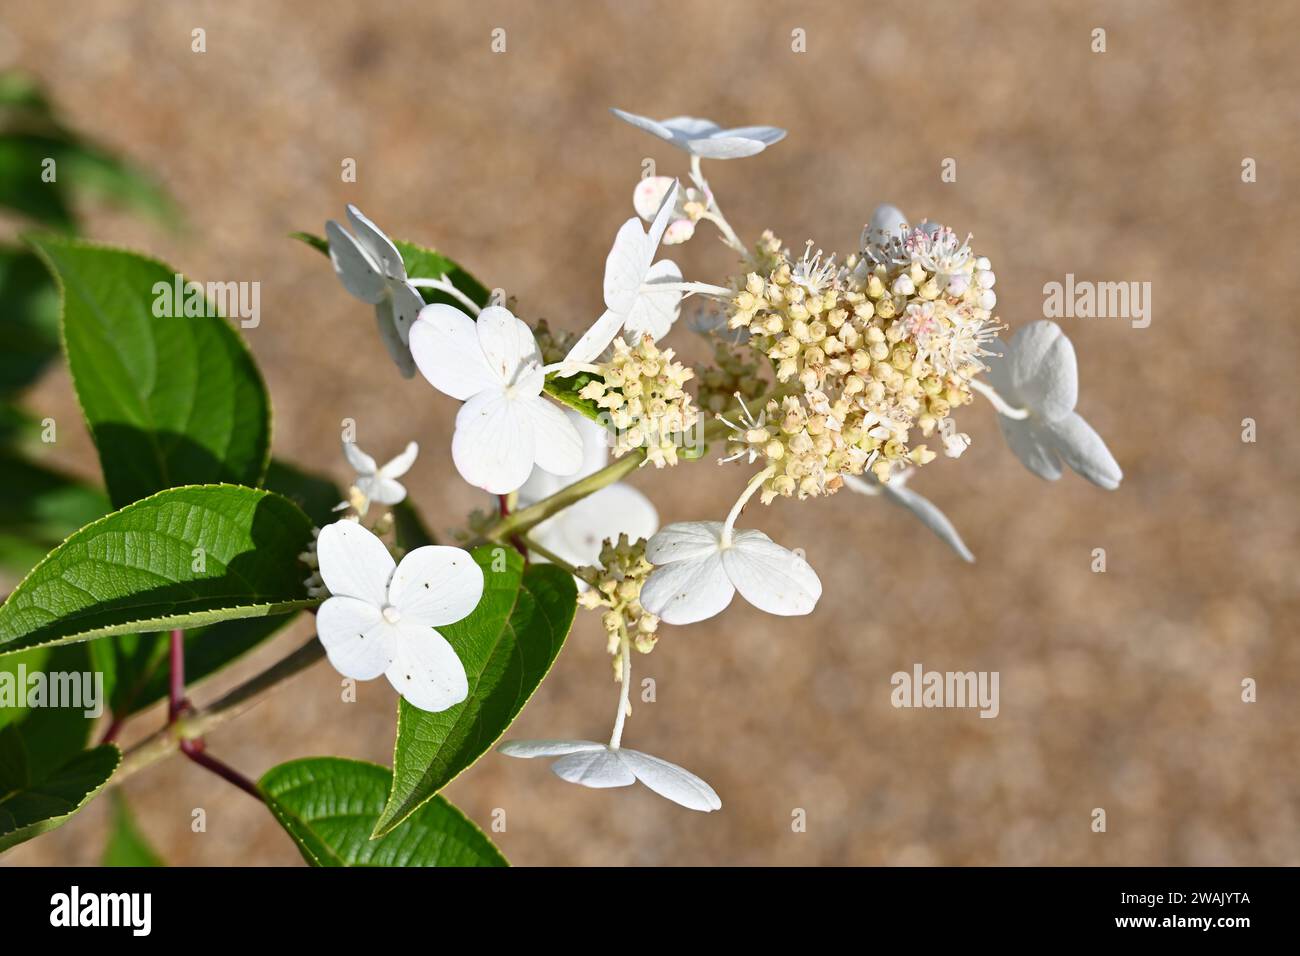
176, 702
196, 751
503, 504
115, 725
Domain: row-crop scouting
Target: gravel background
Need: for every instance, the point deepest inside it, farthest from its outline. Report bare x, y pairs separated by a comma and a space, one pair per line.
1118, 690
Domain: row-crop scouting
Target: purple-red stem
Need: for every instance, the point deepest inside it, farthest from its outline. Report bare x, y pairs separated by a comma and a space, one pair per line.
503, 503
195, 748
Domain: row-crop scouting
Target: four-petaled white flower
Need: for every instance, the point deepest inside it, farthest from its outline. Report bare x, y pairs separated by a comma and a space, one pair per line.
600, 766
375, 483
494, 366
371, 269
577, 533
381, 616
1037, 372
629, 306
700, 565
706, 139
648, 199
896, 490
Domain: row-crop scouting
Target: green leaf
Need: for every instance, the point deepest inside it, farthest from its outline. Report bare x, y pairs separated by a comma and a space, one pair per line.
140, 568
328, 805
505, 659
126, 844
32, 804
170, 401
422, 263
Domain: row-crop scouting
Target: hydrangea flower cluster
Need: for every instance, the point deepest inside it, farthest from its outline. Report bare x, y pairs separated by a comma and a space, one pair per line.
826, 373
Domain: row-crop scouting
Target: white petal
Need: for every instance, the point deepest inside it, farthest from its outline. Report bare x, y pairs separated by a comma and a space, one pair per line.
378, 245
678, 231
353, 562
436, 585
684, 541
662, 218
445, 343
425, 669
380, 490
767, 135
1083, 450
671, 781
625, 266
724, 147
649, 195
354, 635
645, 123
546, 748
558, 446
597, 338
886, 222
1044, 371
407, 304
494, 446
598, 769
595, 443
770, 577
507, 342
655, 312
930, 516
684, 592
359, 274
398, 350
1032, 447
399, 465
361, 463
689, 127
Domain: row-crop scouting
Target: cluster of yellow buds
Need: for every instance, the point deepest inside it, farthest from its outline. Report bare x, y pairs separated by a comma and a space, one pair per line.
617, 588
886, 342
641, 390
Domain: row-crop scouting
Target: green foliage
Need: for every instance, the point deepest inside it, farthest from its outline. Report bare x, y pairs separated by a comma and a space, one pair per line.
329, 805
181, 558
170, 401
33, 802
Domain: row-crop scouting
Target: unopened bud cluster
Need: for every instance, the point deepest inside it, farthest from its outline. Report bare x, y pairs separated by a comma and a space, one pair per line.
883, 344
617, 588
641, 390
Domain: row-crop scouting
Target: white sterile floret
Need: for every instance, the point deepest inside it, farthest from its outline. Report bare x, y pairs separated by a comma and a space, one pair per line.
494, 366
896, 490
381, 616
601, 766
577, 533
700, 565
371, 269
1037, 373
704, 138
630, 306
375, 483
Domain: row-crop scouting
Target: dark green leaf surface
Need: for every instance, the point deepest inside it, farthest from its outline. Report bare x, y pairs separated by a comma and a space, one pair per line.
135, 570
505, 658
329, 805
32, 803
170, 401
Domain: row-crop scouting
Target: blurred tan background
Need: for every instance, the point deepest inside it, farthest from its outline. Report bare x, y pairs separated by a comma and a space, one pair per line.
1118, 690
